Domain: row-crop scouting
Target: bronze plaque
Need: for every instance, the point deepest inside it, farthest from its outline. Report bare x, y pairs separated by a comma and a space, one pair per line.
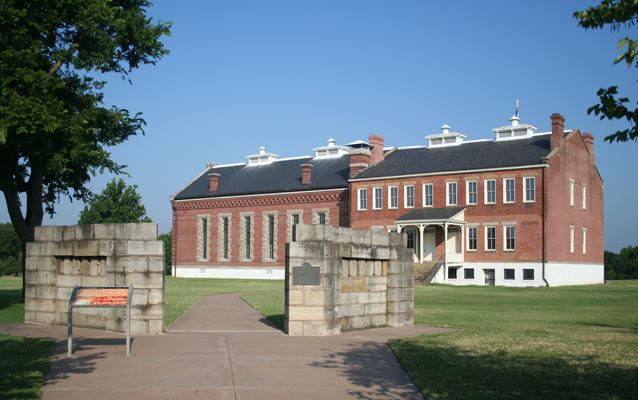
305, 275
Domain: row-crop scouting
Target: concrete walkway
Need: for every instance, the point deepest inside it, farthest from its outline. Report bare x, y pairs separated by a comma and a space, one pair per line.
223, 349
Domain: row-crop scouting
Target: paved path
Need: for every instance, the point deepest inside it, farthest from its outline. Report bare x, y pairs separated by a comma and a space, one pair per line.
223, 349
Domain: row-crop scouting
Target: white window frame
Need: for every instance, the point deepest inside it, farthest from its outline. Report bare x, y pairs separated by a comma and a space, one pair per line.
571, 192
425, 195
468, 193
571, 238
390, 197
526, 180
447, 193
584, 240
505, 201
486, 191
505, 229
406, 196
584, 197
377, 196
487, 237
467, 244
362, 199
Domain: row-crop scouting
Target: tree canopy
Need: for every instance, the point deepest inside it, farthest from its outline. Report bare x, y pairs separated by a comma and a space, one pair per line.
617, 14
623, 265
118, 203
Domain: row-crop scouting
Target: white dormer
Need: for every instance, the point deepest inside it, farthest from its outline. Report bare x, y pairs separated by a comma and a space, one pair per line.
515, 130
331, 150
445, 138
261, 158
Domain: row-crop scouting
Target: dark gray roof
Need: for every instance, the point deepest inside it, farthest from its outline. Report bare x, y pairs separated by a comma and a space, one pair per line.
431, 213
278, 176
467, 156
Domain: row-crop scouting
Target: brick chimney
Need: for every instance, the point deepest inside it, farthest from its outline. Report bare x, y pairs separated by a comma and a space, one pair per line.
359, 160
376, 141
213, 182
558, 130
306, 173
588, 138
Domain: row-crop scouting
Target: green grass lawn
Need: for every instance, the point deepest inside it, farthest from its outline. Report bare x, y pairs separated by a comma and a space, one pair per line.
578, 342
24, 362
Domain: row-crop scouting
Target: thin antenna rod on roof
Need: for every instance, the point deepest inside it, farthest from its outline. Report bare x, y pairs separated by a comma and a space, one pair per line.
516, 108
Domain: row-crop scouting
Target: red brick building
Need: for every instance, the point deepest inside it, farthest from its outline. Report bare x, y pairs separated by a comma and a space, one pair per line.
523, 209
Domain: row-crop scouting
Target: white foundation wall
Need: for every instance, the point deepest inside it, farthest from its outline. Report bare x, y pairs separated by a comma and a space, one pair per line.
559, 274
187, 271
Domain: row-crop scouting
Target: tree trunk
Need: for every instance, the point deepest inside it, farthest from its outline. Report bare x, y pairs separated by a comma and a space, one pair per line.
25, 226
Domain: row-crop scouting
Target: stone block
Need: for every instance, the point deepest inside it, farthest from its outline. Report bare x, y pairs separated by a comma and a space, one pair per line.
398, 281
30, 291
400, 306
409, 319
315, 328
92, 281
156, 326
380, 238
346, 324
45, 306
396, 319
361, 322
30, 316
104, 231
398, 239
86, 248
45, 318
139, 327
362, 251
376, 268
397, 294
295, 297
313, 297
362, 267
84, 232
140, 297
156, 264
369, 268
47, 233
377, 320
46, 292
155, 296
40, 248
43, 277
147, 311
143, 280
350, 310
68, 233
409, 293
62, 249
145, 248
143, 231
345, 268
345, 250
295, 328
69, 280
377, 280
304, 313
115, 325
375, 308
63, 293
307, 232
349, 298
361, 237
403, 253
382, 253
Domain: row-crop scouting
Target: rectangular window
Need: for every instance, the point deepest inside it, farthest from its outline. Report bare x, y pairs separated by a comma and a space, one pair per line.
452, 272
451, 193
584, 240
271, 237
472, 241
509, 195
469, 273
410, 233
295, 222
530, 189
571, 192
247, 226
378, 198
393, 197
225, 238
528, 274
584, 197
408, 193
571, 239
204, 238
471, 190
490, 238
510, 238
490, 191
363, 199
322, 218
509, 274
428, 195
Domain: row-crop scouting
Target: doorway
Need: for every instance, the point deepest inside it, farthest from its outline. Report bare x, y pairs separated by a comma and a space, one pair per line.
429, 243
489, 277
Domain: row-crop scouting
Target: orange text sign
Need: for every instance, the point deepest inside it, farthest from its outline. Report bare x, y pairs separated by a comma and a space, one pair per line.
101, 297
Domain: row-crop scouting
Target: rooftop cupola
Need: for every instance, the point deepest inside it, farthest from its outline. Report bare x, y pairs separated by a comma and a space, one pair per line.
515, 130
445, 138
261, 158
331, 150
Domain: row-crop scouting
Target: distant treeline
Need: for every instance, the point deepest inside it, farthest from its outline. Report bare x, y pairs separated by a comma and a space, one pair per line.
623, 265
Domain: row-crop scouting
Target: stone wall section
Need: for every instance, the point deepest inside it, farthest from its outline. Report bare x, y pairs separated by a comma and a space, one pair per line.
366, 280
96, 255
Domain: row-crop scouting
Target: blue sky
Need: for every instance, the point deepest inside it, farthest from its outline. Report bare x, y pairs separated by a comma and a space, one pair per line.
288, 75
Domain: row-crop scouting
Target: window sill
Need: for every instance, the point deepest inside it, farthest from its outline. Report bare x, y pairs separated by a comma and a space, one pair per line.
471, 251
509, 250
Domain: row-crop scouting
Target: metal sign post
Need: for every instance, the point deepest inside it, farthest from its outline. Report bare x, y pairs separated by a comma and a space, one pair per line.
103, 297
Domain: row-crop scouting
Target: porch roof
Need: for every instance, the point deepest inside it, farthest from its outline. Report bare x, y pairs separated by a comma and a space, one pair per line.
430, 215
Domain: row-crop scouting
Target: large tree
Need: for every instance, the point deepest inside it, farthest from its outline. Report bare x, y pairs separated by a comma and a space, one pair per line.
54, 126
118, 203
617, 14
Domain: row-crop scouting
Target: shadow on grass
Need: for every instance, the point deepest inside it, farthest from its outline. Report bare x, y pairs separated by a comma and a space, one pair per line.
276, 320
446, 372
373, 369
23, 366
10, 297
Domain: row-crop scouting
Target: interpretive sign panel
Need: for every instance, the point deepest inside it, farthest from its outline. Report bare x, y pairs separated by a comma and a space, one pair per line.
101, 297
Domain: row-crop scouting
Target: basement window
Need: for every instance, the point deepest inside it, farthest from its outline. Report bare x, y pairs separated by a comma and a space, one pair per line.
452, 272
509, 274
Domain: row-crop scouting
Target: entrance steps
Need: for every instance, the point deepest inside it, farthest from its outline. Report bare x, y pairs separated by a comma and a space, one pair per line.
424, 272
